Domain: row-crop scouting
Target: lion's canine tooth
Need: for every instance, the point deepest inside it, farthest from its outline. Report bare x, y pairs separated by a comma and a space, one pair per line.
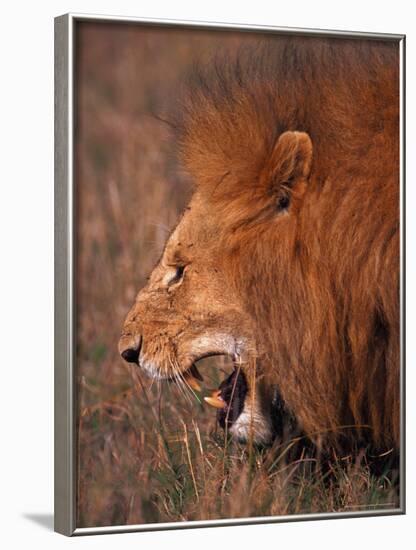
191, 381
215, 401
195, 372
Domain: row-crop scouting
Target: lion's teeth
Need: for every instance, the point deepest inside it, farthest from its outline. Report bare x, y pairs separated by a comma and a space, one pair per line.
195, 373
214, 393
215, 401
192, 381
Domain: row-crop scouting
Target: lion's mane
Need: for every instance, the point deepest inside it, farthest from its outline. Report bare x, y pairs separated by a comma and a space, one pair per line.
324, 291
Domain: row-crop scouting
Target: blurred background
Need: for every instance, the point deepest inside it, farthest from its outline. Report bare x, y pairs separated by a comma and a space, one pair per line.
145, 453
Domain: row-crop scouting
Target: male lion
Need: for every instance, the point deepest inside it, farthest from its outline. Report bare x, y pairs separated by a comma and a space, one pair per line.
287, 257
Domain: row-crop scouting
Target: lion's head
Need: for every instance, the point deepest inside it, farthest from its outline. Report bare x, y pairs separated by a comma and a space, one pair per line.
194, 305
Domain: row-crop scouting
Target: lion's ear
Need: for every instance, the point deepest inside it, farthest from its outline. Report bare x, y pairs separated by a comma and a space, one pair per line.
289, 165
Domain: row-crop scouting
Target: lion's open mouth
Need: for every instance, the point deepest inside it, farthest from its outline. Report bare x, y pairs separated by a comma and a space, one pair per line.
228, 398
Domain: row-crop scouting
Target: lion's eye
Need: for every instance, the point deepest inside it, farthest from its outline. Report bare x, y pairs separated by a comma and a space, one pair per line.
180, 269
283, 202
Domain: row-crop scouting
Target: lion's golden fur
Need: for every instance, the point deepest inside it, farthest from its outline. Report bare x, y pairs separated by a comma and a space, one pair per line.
322, 285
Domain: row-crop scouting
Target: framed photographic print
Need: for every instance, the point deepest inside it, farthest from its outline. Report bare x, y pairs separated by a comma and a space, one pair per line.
229, 221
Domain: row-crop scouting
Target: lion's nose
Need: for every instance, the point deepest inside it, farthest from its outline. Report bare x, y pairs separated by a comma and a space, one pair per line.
131, 352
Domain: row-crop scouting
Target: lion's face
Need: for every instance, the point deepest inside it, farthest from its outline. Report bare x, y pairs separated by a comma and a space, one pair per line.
188, 310
197, 301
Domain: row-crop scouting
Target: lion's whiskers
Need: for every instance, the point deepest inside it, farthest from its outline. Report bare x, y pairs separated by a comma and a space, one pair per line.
186, 384
179, 379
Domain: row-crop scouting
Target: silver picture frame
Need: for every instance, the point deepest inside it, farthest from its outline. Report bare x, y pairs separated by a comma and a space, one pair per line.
65, 306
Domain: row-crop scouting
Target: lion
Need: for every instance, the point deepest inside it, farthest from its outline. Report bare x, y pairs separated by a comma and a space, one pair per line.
287, 258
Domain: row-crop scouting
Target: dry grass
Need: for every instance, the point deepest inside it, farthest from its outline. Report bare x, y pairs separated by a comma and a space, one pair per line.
145, 453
